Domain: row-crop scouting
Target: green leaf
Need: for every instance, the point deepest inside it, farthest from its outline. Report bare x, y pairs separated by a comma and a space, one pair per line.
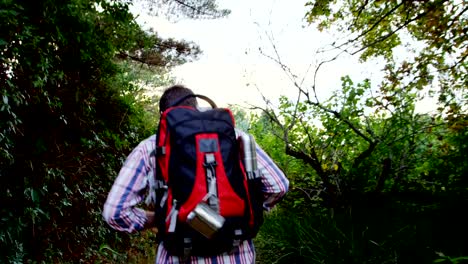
107, 247
34, 196
456, 260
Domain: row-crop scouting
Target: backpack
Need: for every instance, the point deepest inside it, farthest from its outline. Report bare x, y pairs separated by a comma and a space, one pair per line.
207, 184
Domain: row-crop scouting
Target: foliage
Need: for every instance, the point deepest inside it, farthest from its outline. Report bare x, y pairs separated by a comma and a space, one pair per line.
382, 231
70, 113
153, 51
396, 206
433, 34
195, 9
383, 176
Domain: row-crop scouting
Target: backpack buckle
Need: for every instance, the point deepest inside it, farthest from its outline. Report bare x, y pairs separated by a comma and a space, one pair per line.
187, 248
160, 151
236, 241
210, 160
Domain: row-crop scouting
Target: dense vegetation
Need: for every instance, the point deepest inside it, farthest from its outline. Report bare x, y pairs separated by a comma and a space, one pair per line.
71, 110
372, 180
385, 183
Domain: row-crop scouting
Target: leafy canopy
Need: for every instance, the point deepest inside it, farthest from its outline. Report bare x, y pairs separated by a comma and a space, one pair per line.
431, 35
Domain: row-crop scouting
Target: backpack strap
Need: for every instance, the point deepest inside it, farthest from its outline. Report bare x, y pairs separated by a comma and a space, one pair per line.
172, 217
176, 103
212, 195
236, 241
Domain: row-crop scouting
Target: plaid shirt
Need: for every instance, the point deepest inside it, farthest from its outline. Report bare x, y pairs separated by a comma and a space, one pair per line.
130, 189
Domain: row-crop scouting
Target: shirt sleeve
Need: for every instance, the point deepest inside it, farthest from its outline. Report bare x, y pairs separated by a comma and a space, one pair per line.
129, 189
275, 184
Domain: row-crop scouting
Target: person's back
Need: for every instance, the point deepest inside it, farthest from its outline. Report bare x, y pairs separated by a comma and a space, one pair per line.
122, 213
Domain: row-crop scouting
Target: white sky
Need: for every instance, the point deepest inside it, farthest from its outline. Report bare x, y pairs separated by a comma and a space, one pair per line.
231, 67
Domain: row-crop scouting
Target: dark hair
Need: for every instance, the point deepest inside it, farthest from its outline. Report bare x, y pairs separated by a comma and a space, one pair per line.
174, 93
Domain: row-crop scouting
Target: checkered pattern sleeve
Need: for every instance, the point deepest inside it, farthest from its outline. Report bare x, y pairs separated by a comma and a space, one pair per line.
274, 182
129, 189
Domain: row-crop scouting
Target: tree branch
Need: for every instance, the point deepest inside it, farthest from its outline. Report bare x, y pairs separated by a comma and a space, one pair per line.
340, 117
364, 155
159, 62
313, 161
386, 168
382, 38
361, 8
372, 27
198, 11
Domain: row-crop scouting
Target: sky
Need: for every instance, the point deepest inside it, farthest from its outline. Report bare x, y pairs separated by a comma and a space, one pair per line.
233, 70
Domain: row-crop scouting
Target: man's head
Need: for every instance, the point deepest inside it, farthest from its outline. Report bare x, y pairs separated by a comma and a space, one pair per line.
173, 94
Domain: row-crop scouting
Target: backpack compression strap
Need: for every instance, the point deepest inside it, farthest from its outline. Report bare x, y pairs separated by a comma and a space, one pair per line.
213, 105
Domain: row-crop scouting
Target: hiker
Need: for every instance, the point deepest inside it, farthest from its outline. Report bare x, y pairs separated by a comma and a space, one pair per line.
136, 177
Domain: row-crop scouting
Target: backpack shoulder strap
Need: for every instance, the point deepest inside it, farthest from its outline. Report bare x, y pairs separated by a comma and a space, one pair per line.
176, 103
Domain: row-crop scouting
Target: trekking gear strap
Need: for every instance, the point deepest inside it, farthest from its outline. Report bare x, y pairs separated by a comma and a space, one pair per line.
165, 195
172, 217
213, 105
160, 151
187, 248
236, 241
212, 195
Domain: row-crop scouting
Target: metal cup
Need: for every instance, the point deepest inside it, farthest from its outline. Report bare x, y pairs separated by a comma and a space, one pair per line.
205, 220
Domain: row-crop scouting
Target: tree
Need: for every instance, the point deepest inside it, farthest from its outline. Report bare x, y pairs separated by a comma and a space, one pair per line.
380, 166
377, 171
433, 33
68, 117
195, 9
340, 136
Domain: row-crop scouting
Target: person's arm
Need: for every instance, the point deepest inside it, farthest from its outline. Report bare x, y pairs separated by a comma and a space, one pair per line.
120, 209
274, 182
